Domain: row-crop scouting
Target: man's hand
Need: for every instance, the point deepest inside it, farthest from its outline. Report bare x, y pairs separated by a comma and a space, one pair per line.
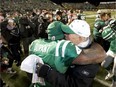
38, 67
42, 69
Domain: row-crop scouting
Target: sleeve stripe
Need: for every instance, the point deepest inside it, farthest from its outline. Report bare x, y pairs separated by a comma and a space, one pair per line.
64, 47
57, 48
108, 35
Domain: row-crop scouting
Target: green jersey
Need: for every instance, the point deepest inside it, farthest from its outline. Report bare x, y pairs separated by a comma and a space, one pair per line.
99, 24
58, 54
110, 35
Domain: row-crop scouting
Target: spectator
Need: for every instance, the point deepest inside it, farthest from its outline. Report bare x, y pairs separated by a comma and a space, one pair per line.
6, 58
61, 16
1, 17
26, 32
80, 15
71, 16
14, 41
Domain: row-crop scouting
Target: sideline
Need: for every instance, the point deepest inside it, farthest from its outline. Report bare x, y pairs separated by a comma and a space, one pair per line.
102, 82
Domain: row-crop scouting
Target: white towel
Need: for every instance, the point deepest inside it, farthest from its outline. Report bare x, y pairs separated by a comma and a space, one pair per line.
29, 65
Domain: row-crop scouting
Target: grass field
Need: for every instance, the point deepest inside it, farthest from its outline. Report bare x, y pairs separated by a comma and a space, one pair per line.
20, 79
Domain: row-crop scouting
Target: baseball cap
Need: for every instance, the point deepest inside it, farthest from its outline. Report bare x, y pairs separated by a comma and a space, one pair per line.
54, 30
79, 27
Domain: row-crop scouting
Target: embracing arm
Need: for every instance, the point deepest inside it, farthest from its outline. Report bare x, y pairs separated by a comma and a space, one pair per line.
52, 76
94, 54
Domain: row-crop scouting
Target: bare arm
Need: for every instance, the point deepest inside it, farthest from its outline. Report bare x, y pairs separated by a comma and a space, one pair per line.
95, 54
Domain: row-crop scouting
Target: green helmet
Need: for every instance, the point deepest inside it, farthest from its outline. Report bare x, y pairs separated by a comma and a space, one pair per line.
54, 30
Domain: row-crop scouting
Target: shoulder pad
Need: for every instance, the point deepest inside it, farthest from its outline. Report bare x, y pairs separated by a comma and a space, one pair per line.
97, 25
65, 43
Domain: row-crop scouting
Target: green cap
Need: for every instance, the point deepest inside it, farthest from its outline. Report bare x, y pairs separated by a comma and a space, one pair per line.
108, 34
54, 30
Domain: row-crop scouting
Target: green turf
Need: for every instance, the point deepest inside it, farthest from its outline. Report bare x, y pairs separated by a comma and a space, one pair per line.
16, 80
20, 79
